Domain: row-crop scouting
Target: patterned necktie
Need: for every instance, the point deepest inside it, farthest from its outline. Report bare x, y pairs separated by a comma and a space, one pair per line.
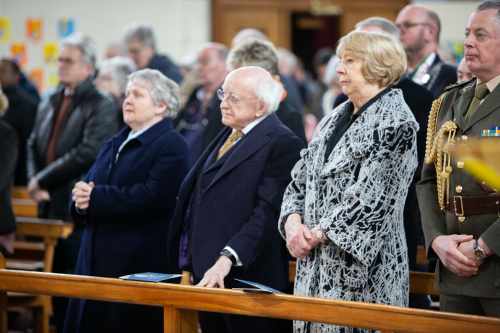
480, 92
230, 141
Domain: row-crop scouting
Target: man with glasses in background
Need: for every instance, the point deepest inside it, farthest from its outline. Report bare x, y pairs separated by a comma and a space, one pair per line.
420, 29
71, 125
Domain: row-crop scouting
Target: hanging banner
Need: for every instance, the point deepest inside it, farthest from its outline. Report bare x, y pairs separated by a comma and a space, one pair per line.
34, 29
5, 27
36, 76
18, 53
50, 52
65, 27
52, 80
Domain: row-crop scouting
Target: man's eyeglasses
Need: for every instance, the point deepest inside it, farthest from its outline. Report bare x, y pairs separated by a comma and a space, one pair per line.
409, 25
66, 61
231, 98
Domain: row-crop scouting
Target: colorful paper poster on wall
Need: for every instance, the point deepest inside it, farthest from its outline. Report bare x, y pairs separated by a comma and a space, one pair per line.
36, 76
18, 53
65, 27
52, 80
50, 51
34, 28
4, 29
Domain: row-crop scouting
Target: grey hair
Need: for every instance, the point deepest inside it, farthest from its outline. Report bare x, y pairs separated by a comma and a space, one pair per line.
254, 53
83, 43
487, 5
269, 91
141, 32
247, 34
119, 68
161, 89
380, 22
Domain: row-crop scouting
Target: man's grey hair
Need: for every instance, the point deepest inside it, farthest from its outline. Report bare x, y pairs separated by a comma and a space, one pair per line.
380, 22
119, 68
487, 5
161, 89
247, 34
254, 52
83, 43
143, 33
269, 91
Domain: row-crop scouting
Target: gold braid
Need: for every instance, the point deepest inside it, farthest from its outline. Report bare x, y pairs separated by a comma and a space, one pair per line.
435, 151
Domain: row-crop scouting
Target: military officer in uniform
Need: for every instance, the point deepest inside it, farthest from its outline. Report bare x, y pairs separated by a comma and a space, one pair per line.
460, 215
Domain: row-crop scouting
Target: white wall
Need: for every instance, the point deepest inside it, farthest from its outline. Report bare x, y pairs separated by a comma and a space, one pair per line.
181, 25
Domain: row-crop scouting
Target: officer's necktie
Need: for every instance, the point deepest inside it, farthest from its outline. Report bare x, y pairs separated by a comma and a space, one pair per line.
230, 141
480, 92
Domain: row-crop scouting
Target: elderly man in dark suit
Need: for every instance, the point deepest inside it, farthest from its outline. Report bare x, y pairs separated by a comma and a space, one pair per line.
224, 224
460, 215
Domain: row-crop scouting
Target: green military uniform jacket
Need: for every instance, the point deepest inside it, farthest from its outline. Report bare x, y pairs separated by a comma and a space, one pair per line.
455, 103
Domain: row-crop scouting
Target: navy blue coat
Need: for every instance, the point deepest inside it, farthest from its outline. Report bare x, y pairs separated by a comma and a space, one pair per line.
239, 204
127, 222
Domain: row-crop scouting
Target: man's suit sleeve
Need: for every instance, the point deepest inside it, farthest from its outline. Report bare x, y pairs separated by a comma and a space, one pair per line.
249, 242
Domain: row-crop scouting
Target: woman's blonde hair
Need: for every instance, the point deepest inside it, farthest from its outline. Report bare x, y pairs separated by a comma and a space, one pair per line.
383, 57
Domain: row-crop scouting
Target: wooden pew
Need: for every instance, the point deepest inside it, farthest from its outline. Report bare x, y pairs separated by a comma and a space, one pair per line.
34, 250
22, 203
175, 298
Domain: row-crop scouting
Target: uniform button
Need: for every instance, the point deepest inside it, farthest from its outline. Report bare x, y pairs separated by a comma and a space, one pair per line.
460, 164
464, 137
458, 189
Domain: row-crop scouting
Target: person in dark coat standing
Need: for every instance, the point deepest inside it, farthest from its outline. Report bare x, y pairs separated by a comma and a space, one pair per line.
224, 222
141, 44
8, 156
126, 202
20, 115
71, 125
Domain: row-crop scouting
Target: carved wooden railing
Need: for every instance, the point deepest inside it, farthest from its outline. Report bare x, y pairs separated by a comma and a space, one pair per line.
177, 299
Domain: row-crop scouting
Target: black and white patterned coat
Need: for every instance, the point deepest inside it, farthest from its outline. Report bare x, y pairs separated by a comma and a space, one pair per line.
356, 197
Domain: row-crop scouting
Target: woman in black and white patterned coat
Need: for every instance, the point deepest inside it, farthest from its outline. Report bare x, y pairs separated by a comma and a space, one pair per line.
342, 214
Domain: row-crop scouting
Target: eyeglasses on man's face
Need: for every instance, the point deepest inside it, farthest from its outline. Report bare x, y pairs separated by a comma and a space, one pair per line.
67, 61
229, 97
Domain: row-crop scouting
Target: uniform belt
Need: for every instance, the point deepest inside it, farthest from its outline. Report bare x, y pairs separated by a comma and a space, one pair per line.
474, 205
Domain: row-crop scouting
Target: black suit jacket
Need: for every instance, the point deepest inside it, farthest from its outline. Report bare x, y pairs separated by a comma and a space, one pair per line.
441, 75
8, 155
240, 205
21, 116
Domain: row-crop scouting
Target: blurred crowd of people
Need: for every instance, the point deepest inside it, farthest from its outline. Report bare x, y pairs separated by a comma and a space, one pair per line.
228, 165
